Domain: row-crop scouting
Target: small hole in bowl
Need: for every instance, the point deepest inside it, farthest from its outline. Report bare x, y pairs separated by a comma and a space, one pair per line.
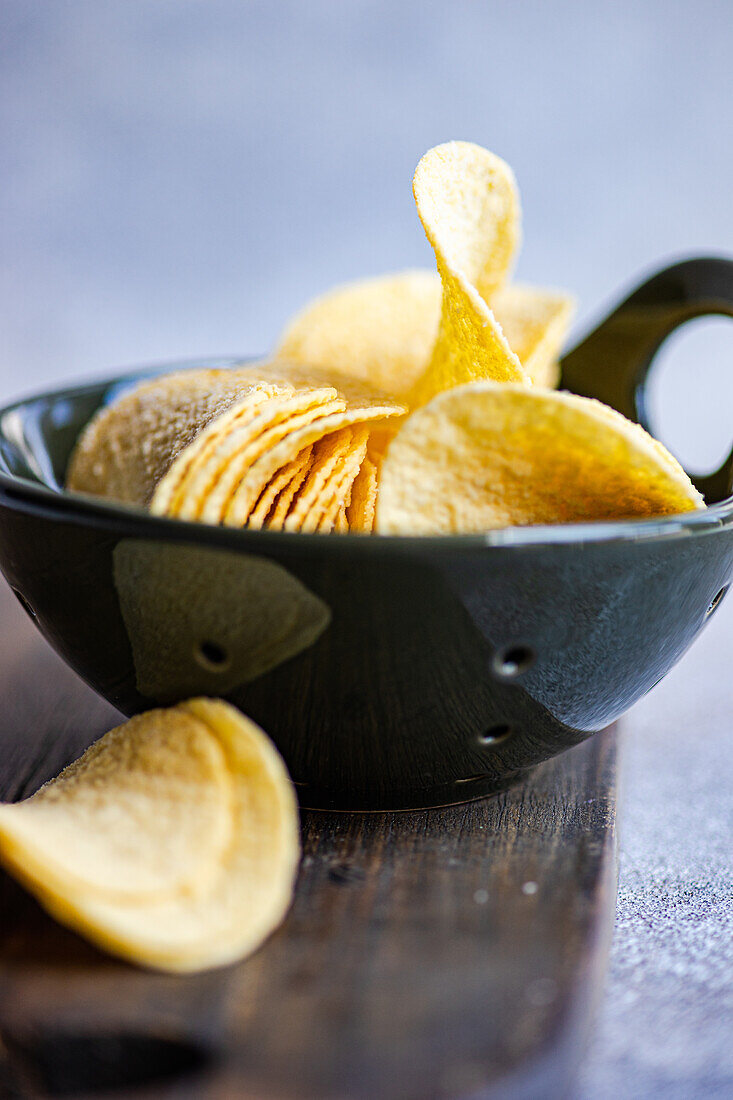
212, 657
496, 735
513, 661
24, 604
716, 599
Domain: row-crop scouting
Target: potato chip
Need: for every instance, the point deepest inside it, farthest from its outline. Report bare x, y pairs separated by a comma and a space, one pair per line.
485, 455
336, 497
329, 454
278, 379
380, 329
158, 785
286, 496
260, 472
361, 507
535, 321
251, 888
467, 201
341, 525
127, 448
285, 476
469, 205
173, 491
209, 490
383, 329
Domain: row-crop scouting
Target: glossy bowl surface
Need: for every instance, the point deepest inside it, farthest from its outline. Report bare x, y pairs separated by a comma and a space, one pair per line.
391, 672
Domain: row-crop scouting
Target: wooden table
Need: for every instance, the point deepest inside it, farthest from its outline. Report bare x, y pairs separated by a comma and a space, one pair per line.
444, 953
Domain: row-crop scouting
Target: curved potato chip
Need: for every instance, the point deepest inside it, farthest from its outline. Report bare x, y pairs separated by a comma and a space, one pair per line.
284, 477
341, 526
210, 489
467, 201
535, 321
361, 507
205, 458
145, 812
251, 891
173, 491
383, 329
286, 496
128, 447
486, 455
337, 496
469, 205
329, 453
260, 472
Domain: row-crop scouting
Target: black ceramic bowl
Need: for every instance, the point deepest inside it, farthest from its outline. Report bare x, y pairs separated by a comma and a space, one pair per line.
391, 672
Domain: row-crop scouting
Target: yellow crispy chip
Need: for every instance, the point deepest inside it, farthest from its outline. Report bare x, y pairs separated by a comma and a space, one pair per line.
127, 448
205, 457
329, 454
361, 507
485, 455
283, 478
145, 812
247, 896
383, 329
260, 472
341, 526
336, 497
286, 496
468, 204
380, 329
238, 452
174, 491
535, 321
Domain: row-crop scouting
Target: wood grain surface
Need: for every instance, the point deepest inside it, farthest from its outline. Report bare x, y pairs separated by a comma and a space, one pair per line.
447, 953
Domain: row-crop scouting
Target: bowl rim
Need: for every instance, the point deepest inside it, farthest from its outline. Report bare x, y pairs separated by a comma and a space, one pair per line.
42, 497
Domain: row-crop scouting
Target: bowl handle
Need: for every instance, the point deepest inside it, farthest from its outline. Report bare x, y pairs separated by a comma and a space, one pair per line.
612, 363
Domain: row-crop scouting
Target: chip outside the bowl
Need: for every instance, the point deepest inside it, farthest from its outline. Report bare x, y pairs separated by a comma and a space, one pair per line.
486, 455
242, 902
145, 812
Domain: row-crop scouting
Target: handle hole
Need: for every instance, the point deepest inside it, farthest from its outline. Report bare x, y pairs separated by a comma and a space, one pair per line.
690, 391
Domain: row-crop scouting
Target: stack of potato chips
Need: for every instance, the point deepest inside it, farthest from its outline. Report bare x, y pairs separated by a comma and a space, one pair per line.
318, 440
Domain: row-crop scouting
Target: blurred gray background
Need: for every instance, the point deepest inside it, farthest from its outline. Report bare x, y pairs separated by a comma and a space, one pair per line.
177, 176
